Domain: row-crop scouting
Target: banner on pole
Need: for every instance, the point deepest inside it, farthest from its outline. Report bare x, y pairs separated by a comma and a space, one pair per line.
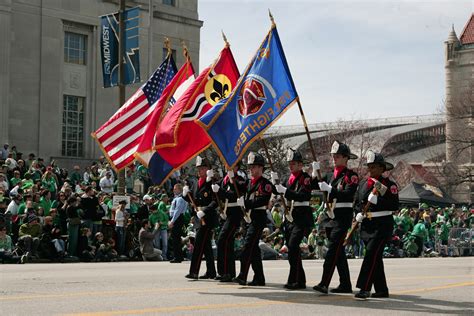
109, 45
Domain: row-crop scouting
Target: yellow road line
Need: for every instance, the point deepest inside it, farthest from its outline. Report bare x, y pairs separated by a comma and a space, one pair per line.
255, 304
183, 308
111, 293
447, 286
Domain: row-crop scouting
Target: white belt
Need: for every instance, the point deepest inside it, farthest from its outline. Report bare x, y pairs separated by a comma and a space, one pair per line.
305, 203
200, 208
380, 214
234, 204
343, 204
262, 208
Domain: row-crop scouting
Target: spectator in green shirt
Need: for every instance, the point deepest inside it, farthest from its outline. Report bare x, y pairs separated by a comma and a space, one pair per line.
49, 182
45, 202
420, 233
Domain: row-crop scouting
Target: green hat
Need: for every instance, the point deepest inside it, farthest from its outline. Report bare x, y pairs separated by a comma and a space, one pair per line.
163, 196
424, 206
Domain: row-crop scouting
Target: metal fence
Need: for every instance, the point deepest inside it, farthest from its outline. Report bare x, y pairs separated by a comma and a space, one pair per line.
460, 242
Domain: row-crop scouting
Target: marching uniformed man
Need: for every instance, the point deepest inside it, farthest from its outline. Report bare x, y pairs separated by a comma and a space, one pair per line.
297, 193
377, 195
232, 214
255, 201
341, 188
206, 204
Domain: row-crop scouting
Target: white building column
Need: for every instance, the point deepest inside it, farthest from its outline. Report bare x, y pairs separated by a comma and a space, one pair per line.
5, 40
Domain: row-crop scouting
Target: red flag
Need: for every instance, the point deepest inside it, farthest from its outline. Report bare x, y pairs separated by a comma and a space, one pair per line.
173, 91
179, 138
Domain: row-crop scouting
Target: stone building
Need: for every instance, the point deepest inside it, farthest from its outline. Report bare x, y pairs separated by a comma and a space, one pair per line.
459, 66
51, 94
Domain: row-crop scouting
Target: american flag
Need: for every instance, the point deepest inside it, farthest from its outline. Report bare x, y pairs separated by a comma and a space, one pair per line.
120, 136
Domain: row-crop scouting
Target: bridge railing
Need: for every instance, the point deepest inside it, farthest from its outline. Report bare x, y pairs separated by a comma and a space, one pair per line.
389, 121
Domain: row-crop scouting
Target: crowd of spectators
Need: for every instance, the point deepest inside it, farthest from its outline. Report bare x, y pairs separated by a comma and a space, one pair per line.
51, 213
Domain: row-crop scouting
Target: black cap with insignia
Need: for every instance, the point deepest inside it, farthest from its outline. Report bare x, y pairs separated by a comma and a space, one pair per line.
202, 162
377, 158
255, 159
343, 149
293, 155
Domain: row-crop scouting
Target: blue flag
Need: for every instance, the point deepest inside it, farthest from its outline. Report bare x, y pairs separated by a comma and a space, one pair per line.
264, 92
109, 44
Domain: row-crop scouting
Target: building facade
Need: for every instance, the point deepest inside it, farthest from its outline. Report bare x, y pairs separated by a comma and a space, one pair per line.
459, 69
51, 93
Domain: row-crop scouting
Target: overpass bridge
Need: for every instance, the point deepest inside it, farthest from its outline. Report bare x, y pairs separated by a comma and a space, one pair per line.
412, 138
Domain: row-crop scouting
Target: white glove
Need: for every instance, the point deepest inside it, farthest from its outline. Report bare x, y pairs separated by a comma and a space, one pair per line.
360, 217
241, 201
185, 190
280, 189
215, 188
316, 167
325, 187
209, 175
274, 177
372, 198
230, 174
200, 214
223, 216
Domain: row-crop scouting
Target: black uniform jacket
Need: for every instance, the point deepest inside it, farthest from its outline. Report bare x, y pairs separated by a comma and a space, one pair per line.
257, 197
300, 191
377, 226
205, 198
228, 192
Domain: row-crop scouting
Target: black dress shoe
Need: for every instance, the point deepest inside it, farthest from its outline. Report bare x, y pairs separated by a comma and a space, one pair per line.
362, 295
380, 295
294, 286
341, 290
207, 276
255, 283
192, 276
321, 288
175, 261
218, 278
226, 278
239, 281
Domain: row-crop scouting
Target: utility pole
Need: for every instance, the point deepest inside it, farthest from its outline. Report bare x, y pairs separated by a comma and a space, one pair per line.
121, 173
150, 38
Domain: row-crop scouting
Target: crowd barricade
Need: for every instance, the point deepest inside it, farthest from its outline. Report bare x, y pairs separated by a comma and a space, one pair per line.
460, 242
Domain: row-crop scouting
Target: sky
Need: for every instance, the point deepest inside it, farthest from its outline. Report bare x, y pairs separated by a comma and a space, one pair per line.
349, 59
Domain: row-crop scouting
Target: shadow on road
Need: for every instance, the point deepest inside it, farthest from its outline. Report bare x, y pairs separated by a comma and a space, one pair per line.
408, 303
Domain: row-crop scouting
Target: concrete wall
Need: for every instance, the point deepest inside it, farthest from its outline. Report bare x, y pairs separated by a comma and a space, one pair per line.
34, 77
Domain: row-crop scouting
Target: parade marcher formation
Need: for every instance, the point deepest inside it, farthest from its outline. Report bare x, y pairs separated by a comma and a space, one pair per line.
238, 200
341, 188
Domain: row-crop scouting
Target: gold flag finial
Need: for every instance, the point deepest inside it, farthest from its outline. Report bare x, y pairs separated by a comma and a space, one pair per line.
271, 18
225, 39
185, 50
167, 45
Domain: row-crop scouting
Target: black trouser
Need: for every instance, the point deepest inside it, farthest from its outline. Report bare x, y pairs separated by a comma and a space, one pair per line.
225, 248
372, 271
297, 275
203, 246
251, 254
419, 243
336, 257
176, 233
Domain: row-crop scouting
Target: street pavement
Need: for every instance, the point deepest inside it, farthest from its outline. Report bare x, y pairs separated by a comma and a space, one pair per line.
418, 286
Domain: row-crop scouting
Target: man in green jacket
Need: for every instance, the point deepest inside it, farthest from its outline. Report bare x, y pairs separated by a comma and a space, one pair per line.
29, 235
420, 233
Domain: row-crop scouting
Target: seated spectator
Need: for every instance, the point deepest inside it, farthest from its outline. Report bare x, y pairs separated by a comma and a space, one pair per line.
6, 245
149, 253
85, 251
29, 235
104, 249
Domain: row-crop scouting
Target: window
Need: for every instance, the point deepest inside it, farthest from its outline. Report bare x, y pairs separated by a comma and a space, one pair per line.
73, 126
165, 53
75, 48
169, 2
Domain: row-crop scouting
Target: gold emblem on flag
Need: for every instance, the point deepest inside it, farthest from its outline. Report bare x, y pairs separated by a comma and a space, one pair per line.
217, 88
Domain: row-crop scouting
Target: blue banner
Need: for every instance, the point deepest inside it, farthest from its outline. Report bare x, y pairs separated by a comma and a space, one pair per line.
109, 45
264, 92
